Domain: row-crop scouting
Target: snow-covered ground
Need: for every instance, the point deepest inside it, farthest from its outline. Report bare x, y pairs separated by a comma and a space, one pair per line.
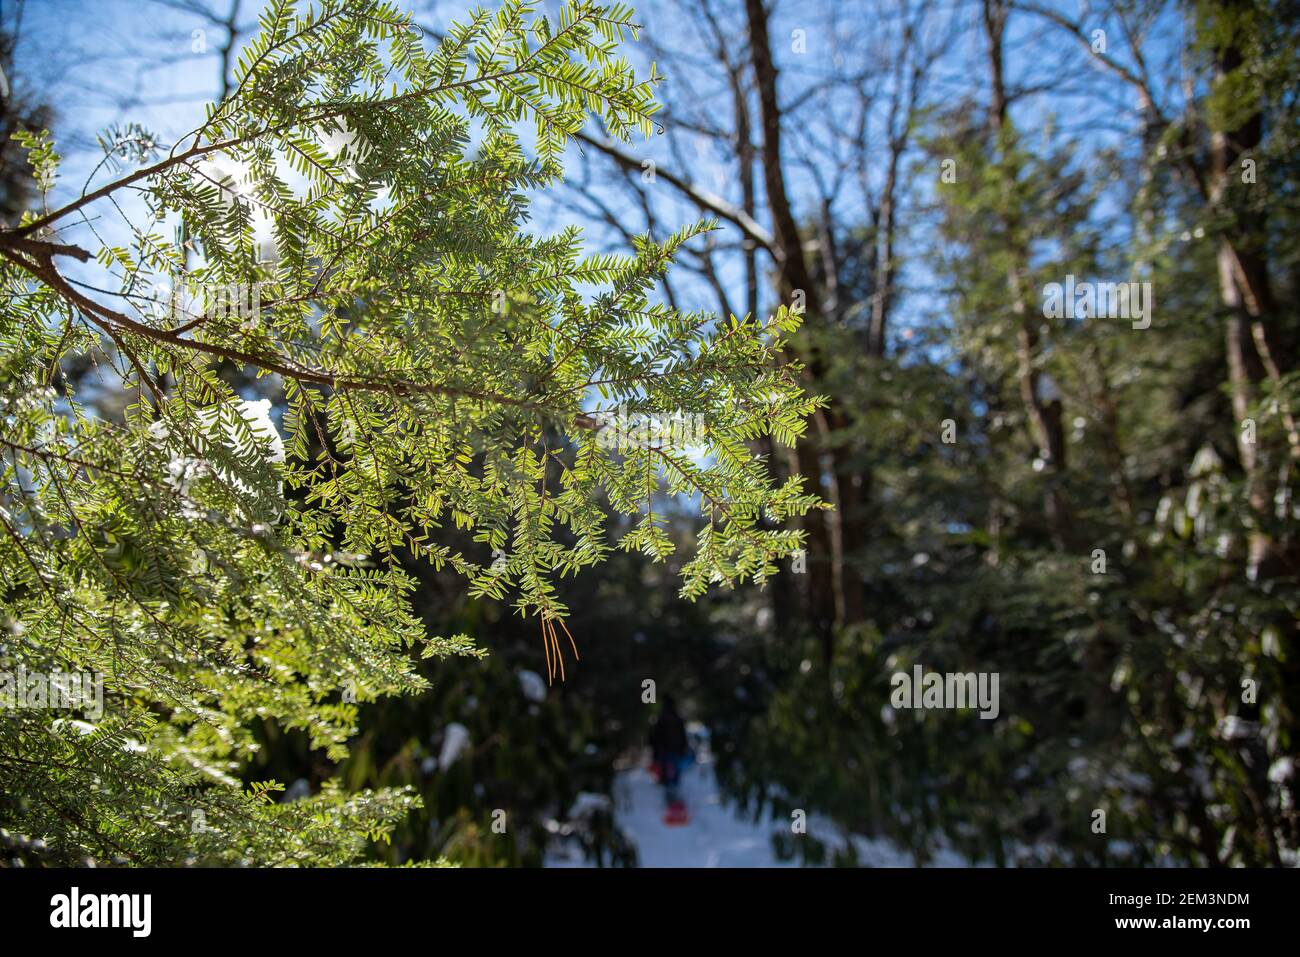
717, 835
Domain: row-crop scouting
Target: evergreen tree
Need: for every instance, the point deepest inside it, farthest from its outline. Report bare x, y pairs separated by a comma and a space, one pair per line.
348, 243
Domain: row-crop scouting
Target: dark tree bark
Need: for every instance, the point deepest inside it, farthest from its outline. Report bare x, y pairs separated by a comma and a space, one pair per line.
1042, 410
816, 456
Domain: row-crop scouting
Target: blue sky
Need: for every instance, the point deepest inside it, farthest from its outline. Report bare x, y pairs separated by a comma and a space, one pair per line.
155, 62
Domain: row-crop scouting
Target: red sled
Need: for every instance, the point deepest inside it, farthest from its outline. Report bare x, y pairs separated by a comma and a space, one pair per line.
676, 815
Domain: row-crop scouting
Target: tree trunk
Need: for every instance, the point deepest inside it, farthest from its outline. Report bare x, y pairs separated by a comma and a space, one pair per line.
1042, 409
816, 458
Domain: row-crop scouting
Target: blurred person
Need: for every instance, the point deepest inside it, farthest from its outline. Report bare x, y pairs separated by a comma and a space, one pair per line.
670, 748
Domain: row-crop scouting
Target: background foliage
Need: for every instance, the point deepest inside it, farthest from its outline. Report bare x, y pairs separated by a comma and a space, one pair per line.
1112, 530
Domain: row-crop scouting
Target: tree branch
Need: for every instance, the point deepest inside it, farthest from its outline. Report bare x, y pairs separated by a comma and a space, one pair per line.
702, 198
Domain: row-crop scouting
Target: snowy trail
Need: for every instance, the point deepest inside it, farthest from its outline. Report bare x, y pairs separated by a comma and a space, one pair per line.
717, 835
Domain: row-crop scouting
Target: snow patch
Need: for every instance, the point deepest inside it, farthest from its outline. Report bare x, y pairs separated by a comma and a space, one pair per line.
454, 741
